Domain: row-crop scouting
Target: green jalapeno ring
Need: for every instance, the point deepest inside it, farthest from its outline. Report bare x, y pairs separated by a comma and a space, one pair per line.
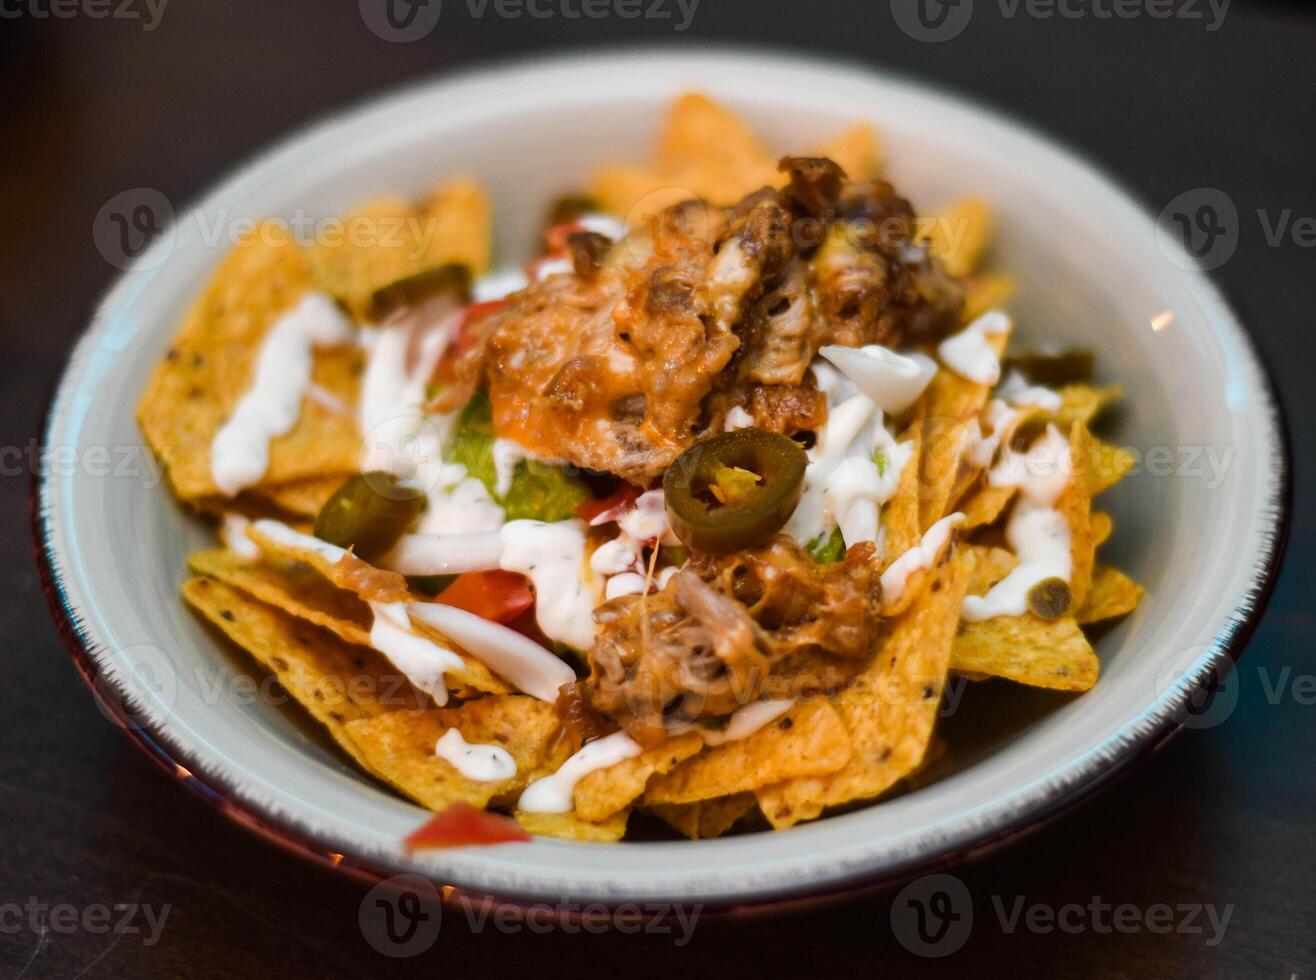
706, 525
368, 514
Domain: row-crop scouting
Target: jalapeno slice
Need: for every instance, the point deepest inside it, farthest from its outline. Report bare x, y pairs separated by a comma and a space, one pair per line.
1066, 367
734, 490
368, 514
416, 289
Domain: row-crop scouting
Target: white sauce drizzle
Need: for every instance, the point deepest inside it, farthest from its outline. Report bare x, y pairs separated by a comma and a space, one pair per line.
476, 761
552, 556
746, 721
737, 418
894, 381
556, 793
1016, 390
516, 658
422, 660
240, 453
970, 353
922, 555
234, 535
1036, 532
603, 224
281, 533
498, 284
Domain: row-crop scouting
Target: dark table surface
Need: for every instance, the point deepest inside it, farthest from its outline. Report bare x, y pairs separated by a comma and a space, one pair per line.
1222, 820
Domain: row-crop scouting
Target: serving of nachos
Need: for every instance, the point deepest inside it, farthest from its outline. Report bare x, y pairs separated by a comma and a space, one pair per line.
692, 516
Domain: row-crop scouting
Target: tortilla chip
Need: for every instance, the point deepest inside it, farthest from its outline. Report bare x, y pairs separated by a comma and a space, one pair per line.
990, 566
337, 682
568, 826
808, 740
857, 149
302, 498
959, 234
1112, 594
988, 291
890, 709
1076, 505
605, 791
195, 389
350, 572
1083, 403
1038, 652
400, 747
706, 147
1102, 526
1108, 466
301, 591
707, 818
985, 504
390, 238
900, 514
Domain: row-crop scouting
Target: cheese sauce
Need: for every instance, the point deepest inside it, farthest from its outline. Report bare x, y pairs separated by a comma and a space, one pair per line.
240, 453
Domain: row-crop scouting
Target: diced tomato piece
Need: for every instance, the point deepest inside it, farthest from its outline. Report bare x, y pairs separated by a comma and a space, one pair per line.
601, 510
528, 626
494, 595
478, 311
555, 237
461, 825
465, 339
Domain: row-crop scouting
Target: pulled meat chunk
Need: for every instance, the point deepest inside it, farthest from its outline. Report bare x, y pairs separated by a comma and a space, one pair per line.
623, 363
727, 630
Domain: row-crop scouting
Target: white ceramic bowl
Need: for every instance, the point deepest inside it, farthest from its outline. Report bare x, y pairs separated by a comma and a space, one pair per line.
1092, 273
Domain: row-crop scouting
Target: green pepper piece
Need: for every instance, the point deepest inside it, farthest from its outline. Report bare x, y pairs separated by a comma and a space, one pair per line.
706, 524
1050, 598
368, 514
415, 289
827, 548
1067, 367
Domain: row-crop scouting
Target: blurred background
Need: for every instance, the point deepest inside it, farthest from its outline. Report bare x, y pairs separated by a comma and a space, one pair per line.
1169, 96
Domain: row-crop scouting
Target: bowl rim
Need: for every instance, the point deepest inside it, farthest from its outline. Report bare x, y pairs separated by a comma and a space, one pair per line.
1062, 789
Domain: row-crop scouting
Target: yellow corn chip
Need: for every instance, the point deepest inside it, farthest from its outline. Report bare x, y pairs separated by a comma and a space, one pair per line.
568, 826
900, 514
389, 238
1102, 526
984, 292
400, 747
808, 740
350, 572
959, 234
301, 591
1109, 465
210, 366
605, 791
1112, 594
857, 150
336, 682
707, 818
990, 566
1083, 403
1076, 505
984, 504
302, 498
1029, 650
890, 709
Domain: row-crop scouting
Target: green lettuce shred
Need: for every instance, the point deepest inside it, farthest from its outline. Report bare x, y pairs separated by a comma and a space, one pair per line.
827, 548
539, 491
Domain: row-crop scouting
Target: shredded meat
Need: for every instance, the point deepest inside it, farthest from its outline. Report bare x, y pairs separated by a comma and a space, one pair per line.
727, 630
621, 365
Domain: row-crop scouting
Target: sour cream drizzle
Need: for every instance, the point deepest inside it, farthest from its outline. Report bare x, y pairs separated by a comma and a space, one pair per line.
893, 381
556, 793
234, 535
240, 453
1016, 390
1037, 533
745, 721
422, 660
922, 555
970, 353
477, 762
